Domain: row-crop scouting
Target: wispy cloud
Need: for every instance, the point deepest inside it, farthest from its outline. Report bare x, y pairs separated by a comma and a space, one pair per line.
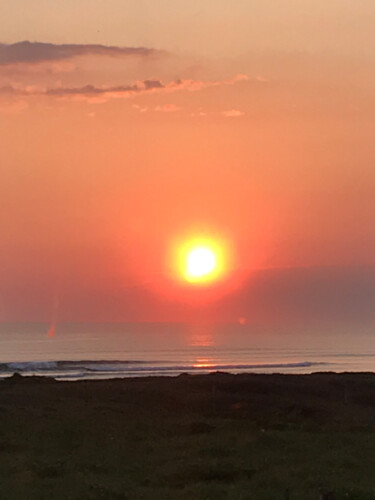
194, 85
17, 90
233, 113
38, 52
101, 94
168, 108
141, 109
164, 108
9, 90
92, 93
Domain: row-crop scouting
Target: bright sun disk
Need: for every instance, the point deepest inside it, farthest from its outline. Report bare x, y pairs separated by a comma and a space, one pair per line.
200, 260
200, 263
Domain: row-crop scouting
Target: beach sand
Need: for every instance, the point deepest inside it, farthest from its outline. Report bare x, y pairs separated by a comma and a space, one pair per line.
205, 437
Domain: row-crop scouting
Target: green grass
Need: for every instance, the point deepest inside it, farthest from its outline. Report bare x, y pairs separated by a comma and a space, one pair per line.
252, 437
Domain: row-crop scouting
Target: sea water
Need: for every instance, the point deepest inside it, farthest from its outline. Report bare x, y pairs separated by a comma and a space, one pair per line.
111, 350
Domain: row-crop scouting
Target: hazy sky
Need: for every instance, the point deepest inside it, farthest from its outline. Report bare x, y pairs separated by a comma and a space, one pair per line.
126, 126
203, 27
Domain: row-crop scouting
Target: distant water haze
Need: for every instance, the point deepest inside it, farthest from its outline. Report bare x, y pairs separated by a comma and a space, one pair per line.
306, 295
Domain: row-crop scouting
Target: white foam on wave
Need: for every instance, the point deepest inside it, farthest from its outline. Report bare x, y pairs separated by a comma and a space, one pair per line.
115, 369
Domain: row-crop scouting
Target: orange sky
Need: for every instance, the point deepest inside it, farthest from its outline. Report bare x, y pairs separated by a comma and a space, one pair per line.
142, 125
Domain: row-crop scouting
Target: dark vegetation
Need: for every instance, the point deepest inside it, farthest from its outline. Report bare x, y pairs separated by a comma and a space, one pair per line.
212, 437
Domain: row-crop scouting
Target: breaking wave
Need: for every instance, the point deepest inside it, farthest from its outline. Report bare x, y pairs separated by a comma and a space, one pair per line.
68, 370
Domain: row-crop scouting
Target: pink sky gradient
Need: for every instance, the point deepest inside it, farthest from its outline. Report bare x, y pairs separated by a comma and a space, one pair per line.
118, 135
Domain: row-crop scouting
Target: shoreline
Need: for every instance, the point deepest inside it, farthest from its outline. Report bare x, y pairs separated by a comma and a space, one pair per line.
171, 374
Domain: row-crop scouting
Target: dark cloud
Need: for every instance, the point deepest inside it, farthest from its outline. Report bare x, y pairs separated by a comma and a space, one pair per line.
37, 52
10, 91
153, 84
92, 91
87, 90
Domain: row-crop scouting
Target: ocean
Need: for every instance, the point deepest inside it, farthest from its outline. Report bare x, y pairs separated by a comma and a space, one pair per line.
79, 351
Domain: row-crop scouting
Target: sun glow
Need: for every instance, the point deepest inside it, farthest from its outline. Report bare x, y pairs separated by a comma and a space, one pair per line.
201, 261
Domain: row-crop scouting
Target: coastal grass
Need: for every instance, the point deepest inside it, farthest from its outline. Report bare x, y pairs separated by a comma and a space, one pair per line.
212, 437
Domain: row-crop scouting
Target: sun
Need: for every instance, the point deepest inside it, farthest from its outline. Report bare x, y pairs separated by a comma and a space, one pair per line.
200, 262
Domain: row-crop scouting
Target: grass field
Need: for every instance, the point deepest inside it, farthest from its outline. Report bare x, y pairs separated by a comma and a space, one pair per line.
213, 437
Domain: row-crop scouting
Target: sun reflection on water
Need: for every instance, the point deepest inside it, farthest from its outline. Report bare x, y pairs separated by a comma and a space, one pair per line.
200, 335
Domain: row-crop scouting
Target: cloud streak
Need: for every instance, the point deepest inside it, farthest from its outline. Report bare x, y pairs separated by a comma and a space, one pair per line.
102, 94
141, 87
167, 108
37, 52
233, 113
92, 93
